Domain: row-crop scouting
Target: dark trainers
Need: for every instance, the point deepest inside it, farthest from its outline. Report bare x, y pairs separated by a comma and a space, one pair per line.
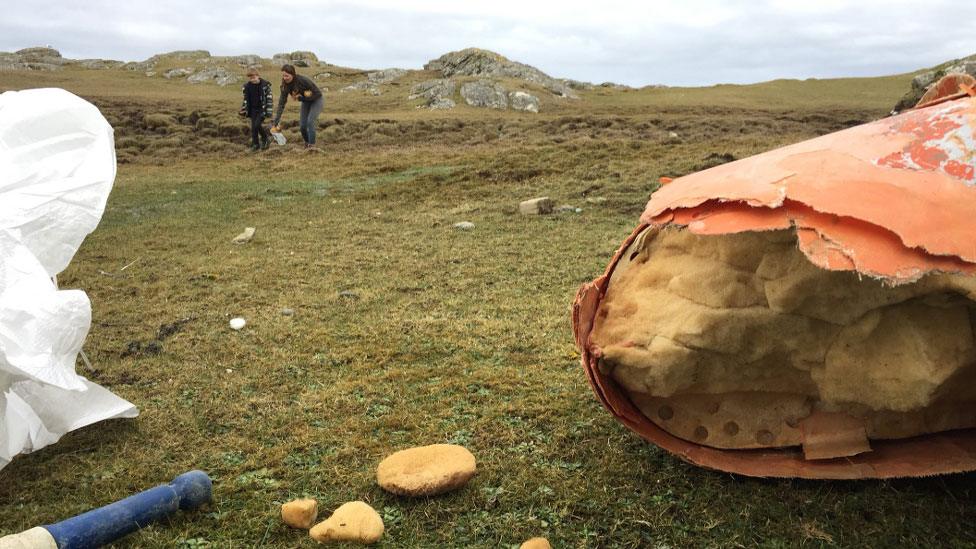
254, 148
265, 145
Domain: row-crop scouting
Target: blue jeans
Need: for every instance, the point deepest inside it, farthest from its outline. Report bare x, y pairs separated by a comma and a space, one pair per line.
309, 118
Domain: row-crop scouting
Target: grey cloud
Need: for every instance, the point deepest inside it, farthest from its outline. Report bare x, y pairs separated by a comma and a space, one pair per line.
758, 41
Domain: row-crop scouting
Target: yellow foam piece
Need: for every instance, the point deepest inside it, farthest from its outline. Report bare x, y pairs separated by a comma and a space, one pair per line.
739, 338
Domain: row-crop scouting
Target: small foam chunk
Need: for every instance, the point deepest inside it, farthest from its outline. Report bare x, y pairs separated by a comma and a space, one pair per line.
535, 543
354, 521
300, 513
426, 470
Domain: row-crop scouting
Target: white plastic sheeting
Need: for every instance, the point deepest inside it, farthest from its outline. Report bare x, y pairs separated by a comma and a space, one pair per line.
57, 166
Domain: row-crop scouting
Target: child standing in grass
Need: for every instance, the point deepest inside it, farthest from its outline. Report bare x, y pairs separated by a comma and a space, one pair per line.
258, 104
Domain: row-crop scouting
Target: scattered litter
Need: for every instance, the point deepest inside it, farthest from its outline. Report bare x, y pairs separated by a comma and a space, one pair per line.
348, 294
245, 237
300, 513
237, 323
229, 371
536, 206
287, 312
536, 543
353, 521
596, 199
464, 225
426, 470
568, 208
130, 264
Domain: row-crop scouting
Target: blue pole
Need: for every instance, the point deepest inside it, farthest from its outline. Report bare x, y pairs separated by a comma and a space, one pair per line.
104, 525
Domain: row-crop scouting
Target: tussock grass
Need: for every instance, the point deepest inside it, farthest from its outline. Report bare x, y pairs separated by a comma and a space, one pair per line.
452, 336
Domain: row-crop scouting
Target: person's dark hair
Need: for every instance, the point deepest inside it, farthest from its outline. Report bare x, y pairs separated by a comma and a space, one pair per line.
290, 69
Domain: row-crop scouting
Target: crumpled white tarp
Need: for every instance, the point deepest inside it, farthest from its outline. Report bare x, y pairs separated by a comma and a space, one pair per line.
57, 166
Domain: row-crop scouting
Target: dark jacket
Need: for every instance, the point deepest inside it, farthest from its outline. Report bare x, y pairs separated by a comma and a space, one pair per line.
267, 98
299, 85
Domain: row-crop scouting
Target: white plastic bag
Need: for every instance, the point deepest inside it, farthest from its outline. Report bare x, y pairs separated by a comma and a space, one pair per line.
57, 166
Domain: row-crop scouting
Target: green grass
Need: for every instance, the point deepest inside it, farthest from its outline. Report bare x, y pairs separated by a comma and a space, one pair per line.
453, 336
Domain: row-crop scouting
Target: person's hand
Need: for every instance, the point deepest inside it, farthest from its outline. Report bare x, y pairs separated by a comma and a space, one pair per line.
294, 94
275, 129
308, 93
242, 113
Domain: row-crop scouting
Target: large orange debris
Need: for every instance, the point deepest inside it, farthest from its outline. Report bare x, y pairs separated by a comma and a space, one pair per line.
893, 201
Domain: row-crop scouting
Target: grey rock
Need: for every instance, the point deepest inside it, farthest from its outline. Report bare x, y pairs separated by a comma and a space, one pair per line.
97, 64
296, 58
568, 208
429, 89
184, 54
219, 75
178, 73
576, 84
536, 206
140, 66
464, 225
522, 101
438, 103
348, 294
287, 312
323, 75
248, 60
484, 93
44, 66
385, 76
615, 86
478, 62
436, 93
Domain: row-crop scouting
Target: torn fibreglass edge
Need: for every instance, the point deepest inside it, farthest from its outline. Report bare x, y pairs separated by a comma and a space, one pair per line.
870, 193
893, 199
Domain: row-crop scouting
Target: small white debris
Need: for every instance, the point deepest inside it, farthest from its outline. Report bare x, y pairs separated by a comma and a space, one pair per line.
229, 371
536, 206
464, 225
237, 323
245, 237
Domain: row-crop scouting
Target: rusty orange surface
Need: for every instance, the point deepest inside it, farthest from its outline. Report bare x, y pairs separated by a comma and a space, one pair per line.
893, 199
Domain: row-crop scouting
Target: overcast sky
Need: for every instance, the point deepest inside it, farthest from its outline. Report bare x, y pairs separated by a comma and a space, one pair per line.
690, 42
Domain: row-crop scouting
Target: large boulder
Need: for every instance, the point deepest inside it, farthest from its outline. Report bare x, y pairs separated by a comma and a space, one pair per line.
478, 62
522, 101
385, 76
437, 93
296, 58
923, 81
484, 93
178, 72
219, 75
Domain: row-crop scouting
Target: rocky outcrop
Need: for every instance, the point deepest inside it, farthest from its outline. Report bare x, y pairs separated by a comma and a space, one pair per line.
478, 62
35, 59
95, 64
923, 81
296, 58
219, 75
484, 93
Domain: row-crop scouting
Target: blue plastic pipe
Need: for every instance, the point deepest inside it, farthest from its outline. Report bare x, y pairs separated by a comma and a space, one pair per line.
107, 524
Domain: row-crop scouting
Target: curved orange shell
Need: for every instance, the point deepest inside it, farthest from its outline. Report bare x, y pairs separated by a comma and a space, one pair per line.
893, 199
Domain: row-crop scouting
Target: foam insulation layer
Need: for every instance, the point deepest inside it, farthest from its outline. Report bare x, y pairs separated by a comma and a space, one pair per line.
806, 312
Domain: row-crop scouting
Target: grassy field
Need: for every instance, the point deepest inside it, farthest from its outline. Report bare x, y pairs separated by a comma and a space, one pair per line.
445, 336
